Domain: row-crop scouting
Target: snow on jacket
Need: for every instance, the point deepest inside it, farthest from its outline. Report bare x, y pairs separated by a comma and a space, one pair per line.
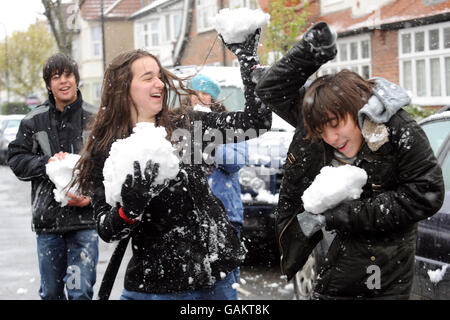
42, 133
224, 180
184, 240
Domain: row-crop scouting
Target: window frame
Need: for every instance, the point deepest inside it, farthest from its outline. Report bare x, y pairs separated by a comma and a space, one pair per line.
208, 7
359, 63
428, 56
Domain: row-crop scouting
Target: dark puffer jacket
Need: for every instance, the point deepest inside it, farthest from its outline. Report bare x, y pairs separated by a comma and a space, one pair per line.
42, 133
184, 240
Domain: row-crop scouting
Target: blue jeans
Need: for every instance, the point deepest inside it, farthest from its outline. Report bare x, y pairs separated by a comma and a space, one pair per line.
68, 260
221, 290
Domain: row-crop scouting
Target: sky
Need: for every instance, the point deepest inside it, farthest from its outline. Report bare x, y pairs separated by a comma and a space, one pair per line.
17, 15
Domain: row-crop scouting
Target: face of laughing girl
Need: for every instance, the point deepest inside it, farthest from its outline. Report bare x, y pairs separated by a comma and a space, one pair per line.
146, 90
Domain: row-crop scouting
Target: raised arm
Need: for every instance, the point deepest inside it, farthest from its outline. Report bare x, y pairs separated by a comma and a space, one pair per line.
280, 87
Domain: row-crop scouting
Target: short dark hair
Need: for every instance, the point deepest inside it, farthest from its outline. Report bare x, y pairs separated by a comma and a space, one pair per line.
337, 94
58, 64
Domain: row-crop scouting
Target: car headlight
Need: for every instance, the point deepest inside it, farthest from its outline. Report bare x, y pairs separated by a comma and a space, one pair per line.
4, 144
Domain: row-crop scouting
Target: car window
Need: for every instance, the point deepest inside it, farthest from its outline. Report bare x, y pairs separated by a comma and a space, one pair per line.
232, 98
436, 132
13, 123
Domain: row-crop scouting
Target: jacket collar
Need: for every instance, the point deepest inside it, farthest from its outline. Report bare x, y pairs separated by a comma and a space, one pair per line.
71, 106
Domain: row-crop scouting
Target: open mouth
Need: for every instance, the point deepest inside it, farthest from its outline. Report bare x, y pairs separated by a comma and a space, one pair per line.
156, 95
341, 147
64, 89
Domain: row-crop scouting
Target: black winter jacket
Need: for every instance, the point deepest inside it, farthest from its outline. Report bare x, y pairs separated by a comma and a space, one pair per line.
184, 240
281, 88
42, 133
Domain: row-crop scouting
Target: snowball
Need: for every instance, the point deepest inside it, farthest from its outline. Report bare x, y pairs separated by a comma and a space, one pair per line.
60, 173
147, 142
199, 107
236, 24
332, 186
438, 274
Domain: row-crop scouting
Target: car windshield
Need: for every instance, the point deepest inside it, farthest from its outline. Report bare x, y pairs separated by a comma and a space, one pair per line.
436, 132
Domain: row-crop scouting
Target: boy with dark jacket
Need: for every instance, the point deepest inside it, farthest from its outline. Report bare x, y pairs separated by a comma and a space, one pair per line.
358, 122
66, 237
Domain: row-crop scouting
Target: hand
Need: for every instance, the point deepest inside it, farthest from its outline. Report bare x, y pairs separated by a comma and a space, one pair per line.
310, 223
58, 156
245, 49
321, 41
137, 192
77, 201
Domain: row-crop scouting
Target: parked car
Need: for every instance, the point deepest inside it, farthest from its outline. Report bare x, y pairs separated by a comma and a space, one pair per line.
431, 274
260, 179
8, 131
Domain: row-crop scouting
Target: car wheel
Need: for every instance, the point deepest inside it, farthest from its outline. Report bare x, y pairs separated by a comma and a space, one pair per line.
304, 279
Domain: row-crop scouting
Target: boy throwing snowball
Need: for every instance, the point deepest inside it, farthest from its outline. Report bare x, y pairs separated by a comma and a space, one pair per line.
361, 122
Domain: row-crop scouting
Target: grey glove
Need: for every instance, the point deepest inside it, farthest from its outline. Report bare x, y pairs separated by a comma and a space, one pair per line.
310, 223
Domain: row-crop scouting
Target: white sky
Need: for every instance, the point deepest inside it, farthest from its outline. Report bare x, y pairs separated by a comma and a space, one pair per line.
17, 15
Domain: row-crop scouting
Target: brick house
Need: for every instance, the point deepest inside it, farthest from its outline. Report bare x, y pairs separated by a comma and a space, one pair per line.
87, 45
405, 41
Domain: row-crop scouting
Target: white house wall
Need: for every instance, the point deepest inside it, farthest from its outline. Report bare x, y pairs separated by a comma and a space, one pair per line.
165, 49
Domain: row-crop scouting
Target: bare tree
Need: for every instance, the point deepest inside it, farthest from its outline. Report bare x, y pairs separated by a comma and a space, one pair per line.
62, 17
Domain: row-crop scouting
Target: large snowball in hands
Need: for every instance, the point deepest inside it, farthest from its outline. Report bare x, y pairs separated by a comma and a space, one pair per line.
147, 142
60, 173
236, 24
332, 186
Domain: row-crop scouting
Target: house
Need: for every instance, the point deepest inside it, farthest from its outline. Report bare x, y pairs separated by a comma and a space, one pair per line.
404, 41
87, 44
179, 32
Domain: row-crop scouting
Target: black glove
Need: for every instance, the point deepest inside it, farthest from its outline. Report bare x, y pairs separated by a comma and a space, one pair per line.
137, 192
245, 51
320, 41
338, 218
310, 223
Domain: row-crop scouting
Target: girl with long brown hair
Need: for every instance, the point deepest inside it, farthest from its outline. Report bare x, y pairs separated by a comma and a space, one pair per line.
184, 246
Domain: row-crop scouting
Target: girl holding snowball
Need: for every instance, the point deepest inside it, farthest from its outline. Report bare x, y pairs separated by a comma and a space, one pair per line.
184, 247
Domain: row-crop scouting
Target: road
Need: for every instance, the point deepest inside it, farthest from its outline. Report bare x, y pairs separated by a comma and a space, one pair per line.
19, 272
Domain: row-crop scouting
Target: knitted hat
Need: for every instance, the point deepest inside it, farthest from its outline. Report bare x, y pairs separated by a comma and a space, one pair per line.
203, 83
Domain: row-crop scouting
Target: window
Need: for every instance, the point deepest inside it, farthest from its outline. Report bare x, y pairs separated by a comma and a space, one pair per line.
251, 4
154, 33
97, 42
145, 35
424, 63
353, 54
206, 9
172, 26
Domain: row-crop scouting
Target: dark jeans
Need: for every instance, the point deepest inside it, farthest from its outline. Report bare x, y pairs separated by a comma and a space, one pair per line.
68, 260
222, 290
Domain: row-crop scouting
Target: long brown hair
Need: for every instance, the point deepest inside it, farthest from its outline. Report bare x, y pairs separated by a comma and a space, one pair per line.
113, 120
339, 94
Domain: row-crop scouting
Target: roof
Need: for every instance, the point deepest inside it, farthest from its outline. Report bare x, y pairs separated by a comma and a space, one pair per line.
390, 14
153, 6
111, 9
